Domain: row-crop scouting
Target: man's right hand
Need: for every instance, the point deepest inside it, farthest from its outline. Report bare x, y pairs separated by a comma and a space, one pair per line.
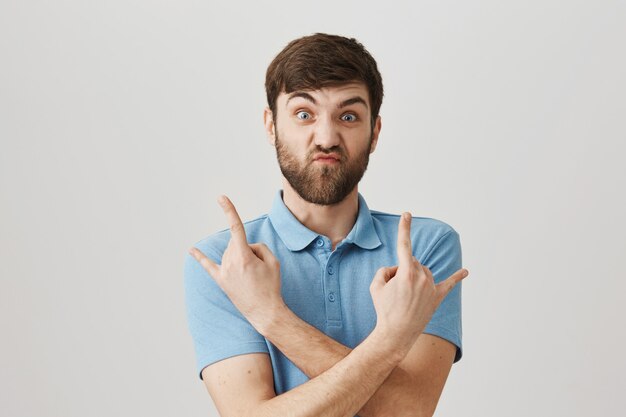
405, 304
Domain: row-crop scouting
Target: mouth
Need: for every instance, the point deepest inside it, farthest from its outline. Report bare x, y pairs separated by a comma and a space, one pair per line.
327, 159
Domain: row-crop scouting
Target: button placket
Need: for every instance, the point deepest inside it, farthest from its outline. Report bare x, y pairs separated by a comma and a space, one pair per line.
333, 302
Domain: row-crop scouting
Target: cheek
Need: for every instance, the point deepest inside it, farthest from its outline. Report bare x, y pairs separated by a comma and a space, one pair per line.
292, 148
294, 132
296, 139
359, 142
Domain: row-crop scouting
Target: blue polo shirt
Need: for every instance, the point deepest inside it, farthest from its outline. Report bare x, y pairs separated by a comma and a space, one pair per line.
329, 289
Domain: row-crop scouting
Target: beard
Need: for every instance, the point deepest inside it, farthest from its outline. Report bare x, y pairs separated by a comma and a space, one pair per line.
322, 184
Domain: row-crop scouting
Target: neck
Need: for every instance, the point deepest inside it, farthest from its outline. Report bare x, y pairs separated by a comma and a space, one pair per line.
334, 221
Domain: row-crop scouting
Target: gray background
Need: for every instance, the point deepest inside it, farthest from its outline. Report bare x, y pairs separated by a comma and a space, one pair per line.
122, 121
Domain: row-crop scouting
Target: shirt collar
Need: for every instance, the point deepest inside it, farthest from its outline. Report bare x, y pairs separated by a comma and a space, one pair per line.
296, 236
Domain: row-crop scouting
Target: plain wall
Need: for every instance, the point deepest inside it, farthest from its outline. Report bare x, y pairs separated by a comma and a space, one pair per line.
122, 121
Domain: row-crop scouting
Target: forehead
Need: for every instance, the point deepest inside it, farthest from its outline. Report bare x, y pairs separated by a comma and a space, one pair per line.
330, 94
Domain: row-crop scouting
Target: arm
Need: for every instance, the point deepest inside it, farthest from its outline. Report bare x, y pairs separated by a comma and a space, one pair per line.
243, 385
250, 276
413, 387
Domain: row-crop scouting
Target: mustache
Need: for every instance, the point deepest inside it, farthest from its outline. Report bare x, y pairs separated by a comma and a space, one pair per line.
336, 151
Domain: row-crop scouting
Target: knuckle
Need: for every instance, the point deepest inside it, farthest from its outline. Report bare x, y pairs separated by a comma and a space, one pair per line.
245, 261
420, 281
424, 282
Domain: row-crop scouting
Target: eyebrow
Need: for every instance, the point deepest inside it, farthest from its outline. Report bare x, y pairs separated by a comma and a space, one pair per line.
307, 96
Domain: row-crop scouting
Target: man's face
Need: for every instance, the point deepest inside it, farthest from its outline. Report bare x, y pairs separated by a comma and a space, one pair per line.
323, 139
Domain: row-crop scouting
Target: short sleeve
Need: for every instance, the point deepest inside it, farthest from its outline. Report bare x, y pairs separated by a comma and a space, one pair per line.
218, 329
443, 260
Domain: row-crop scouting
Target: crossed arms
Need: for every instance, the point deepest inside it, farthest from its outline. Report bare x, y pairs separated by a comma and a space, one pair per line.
396, 370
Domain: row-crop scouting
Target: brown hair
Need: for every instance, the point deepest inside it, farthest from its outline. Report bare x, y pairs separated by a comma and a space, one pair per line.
323, 60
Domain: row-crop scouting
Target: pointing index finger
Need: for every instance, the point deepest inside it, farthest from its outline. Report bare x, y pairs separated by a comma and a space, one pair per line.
405, 252
237, 231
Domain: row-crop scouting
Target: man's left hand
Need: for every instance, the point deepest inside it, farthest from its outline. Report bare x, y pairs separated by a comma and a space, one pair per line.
249, 274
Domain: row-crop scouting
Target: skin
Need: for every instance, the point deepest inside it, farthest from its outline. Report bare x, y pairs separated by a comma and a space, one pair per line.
396, 370
327, 130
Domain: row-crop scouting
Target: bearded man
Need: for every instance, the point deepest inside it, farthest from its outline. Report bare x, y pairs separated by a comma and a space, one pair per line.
323, 307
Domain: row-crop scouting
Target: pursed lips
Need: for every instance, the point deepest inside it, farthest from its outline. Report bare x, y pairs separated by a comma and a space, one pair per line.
322, 157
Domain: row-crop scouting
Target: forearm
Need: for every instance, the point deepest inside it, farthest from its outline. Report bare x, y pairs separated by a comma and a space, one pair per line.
309, 349
313, 352
343, 388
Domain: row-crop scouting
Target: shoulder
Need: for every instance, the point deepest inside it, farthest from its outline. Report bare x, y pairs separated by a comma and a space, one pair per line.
197, 279
213, 247
215, 244
422, 228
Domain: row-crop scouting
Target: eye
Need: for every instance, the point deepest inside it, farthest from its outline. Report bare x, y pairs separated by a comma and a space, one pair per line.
348, 117
303, 115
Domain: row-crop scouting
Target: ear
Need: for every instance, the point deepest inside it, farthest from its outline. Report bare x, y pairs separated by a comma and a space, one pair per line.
375, 133
270, 131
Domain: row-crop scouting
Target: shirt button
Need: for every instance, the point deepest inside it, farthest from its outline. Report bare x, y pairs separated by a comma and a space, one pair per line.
331, 297
331, 270
320, 242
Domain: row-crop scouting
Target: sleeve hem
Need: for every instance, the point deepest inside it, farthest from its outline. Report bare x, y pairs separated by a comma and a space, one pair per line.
240, 349
448, 335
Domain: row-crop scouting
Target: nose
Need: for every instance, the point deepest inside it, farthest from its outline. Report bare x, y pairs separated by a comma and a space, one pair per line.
326, 134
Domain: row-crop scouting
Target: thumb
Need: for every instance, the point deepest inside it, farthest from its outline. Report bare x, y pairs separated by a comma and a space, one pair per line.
383, 275
262, 252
